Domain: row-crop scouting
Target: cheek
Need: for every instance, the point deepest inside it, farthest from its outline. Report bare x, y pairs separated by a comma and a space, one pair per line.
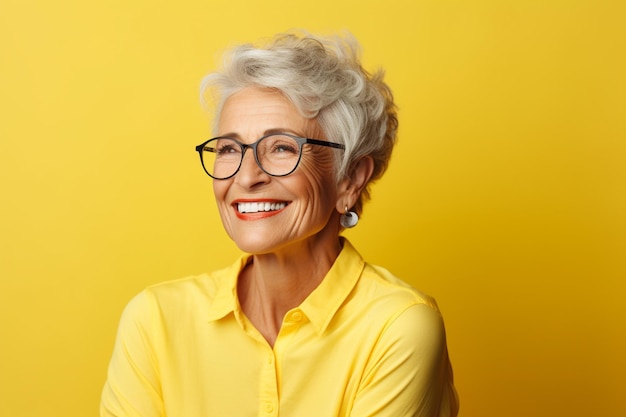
320, 176
219, 191
319, 162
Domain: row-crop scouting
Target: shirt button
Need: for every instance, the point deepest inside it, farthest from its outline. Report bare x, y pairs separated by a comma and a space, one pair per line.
296, 316
269, 407
270, 359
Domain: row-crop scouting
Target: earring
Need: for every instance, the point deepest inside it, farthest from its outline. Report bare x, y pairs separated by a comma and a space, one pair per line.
348, 219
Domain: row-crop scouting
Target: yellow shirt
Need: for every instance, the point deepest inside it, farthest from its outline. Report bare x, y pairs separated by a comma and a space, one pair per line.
362, 344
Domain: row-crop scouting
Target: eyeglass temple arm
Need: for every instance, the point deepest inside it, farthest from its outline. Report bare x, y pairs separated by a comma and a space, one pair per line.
203, 147
324, 143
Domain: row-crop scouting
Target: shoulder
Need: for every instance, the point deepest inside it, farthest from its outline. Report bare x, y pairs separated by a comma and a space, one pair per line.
387, 288
396, 310
202, 285
378, 283
189, 296
411, 323
155, 298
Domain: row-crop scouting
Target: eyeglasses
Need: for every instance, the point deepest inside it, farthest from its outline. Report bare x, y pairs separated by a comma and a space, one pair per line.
277, 154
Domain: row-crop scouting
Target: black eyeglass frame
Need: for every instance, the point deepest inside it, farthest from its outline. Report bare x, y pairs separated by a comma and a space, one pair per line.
244, 146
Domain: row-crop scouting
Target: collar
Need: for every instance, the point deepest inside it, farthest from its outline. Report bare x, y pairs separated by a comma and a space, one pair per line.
319, 307
324, 302
225, 300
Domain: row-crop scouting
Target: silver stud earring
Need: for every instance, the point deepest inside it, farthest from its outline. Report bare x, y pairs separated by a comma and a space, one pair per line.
348, 219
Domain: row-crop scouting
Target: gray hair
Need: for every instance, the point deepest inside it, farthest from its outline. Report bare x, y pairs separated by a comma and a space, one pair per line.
324, 79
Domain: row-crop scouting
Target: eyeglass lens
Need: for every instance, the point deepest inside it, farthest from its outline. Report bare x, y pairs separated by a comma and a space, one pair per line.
276, 154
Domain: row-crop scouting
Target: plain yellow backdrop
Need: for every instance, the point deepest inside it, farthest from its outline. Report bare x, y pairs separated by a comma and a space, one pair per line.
505, 199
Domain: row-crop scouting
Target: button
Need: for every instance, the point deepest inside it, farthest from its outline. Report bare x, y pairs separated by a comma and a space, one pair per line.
296, 316
270, 359
269, 408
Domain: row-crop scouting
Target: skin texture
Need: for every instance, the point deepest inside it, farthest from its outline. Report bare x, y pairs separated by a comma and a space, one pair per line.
294, 247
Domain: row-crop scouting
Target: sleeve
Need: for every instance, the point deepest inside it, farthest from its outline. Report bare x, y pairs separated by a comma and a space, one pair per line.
133, 385
409, 373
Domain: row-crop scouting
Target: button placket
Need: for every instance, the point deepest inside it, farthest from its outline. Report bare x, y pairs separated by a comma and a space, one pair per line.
268, 405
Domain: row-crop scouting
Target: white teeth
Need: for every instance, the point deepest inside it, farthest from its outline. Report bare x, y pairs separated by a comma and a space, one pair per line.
256, 207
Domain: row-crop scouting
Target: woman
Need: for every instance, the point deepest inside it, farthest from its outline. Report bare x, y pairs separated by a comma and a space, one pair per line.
301, 325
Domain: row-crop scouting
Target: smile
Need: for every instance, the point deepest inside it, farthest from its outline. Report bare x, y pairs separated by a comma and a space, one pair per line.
261, 206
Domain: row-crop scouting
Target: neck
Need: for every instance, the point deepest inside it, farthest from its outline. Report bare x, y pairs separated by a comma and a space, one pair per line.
274, 283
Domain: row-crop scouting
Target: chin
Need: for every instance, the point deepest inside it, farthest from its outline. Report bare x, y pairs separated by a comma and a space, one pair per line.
255, 248
255, 243
263, 237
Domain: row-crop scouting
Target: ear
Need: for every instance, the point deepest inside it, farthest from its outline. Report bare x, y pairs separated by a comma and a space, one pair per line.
350, 188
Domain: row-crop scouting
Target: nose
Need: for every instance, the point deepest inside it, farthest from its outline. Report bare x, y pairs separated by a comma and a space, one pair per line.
250, 173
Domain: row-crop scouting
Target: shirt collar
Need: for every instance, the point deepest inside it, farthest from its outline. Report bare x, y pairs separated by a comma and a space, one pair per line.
324, 302
226, 300
319, 307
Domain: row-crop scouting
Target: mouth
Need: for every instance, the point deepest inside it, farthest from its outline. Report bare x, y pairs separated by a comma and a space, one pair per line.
263, 207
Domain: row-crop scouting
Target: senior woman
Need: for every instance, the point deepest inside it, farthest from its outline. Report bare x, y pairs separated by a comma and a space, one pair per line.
301, 325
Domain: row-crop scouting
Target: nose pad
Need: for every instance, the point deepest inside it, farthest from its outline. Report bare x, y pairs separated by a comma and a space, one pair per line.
248, 156
250, 172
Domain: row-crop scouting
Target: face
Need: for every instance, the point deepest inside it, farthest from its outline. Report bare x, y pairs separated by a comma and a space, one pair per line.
264, 214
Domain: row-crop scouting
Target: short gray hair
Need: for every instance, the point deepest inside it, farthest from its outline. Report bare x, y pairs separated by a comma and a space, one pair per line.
324, 79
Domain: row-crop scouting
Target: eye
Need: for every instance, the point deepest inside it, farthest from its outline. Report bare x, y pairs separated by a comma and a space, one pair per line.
282, 145
226, 147
285, 148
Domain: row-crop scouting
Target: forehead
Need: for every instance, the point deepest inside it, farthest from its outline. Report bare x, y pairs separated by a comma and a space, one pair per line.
252, 112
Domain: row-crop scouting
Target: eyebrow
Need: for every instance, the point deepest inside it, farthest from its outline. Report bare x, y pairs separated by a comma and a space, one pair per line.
272, 131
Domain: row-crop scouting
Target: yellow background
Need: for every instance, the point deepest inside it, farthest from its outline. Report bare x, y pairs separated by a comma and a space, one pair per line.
506, 197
